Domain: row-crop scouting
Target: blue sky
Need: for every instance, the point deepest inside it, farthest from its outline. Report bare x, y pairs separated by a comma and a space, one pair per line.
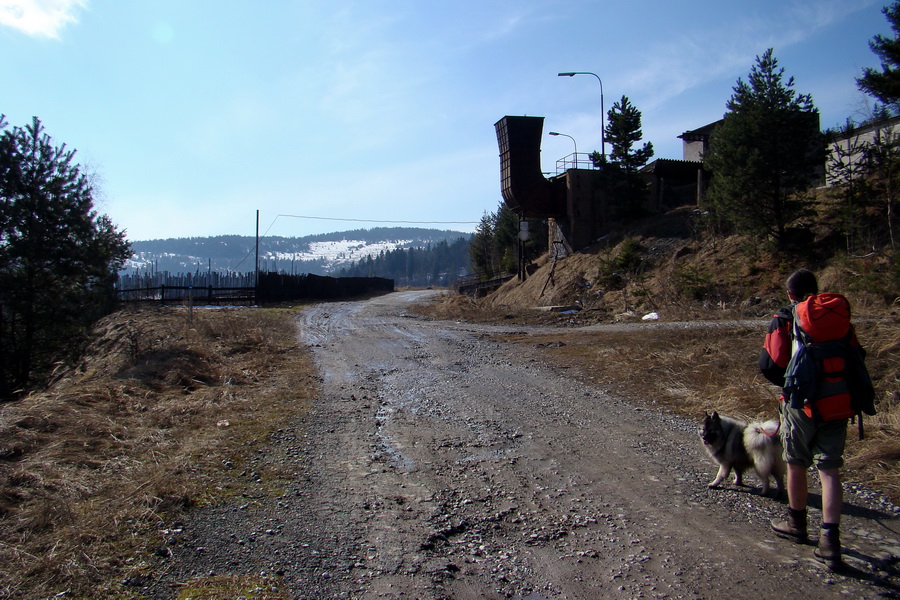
194, 114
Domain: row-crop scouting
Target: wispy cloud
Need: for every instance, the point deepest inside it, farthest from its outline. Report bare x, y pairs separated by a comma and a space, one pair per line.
681, 63
824, 13
494, 24
40, 18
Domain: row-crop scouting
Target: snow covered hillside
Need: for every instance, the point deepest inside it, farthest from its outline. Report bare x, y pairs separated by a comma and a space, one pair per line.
321, 254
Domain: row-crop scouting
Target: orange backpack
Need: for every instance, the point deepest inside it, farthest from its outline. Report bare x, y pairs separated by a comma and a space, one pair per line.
827, 375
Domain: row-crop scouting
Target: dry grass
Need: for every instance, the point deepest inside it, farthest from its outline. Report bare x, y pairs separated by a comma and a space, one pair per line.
162, 413
688, 277
92, 469
692, 370
223, 587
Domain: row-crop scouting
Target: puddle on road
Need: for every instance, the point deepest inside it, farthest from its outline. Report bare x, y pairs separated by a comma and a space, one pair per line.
395, 457
386, 448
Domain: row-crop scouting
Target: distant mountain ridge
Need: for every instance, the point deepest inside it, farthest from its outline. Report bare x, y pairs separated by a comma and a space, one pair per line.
321, 254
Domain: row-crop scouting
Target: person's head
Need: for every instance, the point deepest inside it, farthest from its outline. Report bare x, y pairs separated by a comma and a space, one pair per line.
802, 283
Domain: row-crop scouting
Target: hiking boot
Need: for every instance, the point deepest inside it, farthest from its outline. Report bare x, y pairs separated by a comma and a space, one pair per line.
792, 528
829, 550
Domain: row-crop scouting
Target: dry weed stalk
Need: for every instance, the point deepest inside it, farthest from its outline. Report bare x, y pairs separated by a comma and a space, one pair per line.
91, 467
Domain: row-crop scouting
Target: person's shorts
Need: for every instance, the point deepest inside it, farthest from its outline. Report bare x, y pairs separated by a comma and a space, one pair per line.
807, 442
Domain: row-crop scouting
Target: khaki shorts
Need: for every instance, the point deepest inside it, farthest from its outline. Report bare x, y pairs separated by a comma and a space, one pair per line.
807, 441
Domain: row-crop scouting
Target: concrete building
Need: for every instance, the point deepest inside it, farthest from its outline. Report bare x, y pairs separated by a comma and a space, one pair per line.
846, 148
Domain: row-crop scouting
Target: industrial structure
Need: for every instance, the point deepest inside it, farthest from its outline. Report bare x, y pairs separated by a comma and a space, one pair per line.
577, 207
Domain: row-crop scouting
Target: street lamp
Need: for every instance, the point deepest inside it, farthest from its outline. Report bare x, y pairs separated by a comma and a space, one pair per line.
602, 109
573, 143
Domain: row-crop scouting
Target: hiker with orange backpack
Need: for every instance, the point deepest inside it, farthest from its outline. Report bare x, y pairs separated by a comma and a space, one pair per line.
812, 353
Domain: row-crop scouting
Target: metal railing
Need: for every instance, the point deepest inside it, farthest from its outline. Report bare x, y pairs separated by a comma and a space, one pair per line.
575, 160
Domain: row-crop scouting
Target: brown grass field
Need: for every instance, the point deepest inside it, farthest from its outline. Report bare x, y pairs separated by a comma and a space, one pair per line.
691, 370
164, 412
161, 415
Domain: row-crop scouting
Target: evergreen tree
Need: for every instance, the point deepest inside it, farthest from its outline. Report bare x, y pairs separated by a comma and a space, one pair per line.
440, 264
767, 150
483, 249
621, 169
494, 247
623, 131
58, 257
884, 84
506, 233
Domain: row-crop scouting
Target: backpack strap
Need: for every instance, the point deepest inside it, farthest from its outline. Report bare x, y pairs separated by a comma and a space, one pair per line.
799, 377
803, 342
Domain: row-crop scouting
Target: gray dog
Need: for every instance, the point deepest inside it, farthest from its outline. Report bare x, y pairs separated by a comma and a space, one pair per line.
737, 445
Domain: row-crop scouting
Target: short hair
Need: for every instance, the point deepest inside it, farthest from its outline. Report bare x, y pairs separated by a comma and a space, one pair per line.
802, 283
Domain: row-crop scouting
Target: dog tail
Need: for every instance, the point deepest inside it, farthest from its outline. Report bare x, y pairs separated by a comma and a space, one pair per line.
758, 437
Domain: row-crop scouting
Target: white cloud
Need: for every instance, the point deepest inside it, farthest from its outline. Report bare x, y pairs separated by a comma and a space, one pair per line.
681, 63
826, 12
41, 18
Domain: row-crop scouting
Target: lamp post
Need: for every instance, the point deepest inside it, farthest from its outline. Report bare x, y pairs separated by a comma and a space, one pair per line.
554, 133
602, 109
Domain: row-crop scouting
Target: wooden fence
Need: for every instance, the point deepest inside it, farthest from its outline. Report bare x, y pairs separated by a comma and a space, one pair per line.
226, 289
188, 280
182, 294
475, 285
281, 287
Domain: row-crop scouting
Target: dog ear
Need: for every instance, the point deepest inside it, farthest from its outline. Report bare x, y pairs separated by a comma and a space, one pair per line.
715, 415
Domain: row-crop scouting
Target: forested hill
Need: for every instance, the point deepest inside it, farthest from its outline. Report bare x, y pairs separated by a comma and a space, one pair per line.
323, 254
439, 264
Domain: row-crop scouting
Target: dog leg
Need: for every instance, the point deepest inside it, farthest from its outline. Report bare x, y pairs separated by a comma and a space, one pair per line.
779, 485
723, 473
738, 478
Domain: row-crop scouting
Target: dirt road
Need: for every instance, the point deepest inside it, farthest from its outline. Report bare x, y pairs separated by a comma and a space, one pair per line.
440, 463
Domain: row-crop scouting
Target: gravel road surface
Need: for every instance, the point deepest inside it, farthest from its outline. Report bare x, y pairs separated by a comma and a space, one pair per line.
439, 462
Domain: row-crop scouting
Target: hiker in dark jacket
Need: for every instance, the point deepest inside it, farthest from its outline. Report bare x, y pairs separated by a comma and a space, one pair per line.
807, 440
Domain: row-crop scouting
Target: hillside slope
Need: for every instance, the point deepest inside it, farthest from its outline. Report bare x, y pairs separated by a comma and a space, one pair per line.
665, 270
668, 266
320, 254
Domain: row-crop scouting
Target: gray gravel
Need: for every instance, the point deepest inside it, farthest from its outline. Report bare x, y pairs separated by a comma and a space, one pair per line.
440, 463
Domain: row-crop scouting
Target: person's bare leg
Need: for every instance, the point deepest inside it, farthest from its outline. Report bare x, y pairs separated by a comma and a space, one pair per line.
832, 496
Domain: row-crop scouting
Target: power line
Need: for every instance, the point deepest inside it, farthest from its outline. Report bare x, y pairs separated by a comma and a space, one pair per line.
376, 221
249, 252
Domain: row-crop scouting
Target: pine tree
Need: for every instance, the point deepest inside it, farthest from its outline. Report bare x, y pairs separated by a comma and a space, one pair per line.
767, 150
623, 131
494, 247
58, 257
621, 169
506, 234
885, 84
483, 248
